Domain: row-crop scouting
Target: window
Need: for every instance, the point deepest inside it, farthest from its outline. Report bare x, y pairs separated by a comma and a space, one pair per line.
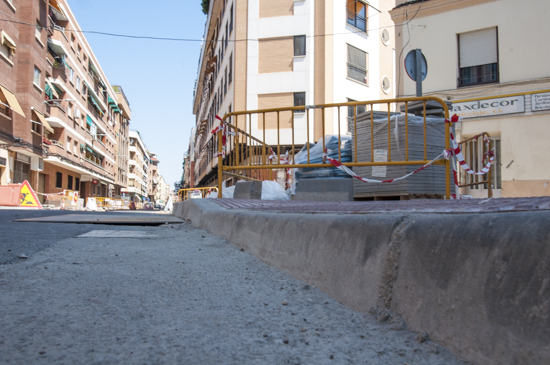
21, 170
478, 57
77, 85
231, 20
38, 31
357, 14
69, 182
299, 45
36, 126
8, 46
75, 148
69, 140
357, 65
77, 184
84, 89
299, 100
386, 85
72, 40
359, 109
230, 75
36, 77
71, 75
6, 51
226, 34
79, 49
59, 180
225, 84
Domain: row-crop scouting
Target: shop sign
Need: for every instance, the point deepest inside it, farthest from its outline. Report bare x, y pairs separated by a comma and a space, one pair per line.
489, 107
540, 101
95, 182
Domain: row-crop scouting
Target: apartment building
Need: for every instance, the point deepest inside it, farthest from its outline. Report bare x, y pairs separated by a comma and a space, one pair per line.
484, 56
138, 179
23, 68
261, 54
123, 140
153, 186
61, 120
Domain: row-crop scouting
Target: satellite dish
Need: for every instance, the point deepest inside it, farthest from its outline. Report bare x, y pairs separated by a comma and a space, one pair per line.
410, 65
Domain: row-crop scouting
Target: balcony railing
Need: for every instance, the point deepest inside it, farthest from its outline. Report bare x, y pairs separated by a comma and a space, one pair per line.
93, 110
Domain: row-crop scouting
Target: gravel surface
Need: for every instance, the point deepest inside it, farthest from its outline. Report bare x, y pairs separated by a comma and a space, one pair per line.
184, 297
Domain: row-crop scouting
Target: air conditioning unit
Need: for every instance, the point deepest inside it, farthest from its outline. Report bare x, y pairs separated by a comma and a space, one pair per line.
76, 113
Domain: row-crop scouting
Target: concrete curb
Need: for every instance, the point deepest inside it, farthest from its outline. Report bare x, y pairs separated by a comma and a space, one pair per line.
479, 284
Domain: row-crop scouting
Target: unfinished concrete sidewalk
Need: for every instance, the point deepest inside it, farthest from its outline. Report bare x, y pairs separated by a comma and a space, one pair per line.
473, 274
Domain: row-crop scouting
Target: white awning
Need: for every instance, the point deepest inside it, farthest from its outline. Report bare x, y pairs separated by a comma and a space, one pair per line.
57, 47
55, 122
60, 84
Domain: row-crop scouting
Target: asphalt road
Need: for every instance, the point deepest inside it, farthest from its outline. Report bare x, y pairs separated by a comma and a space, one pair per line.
174, 295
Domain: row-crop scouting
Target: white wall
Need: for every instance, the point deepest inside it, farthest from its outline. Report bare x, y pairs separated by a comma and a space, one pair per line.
299, 80
524, 49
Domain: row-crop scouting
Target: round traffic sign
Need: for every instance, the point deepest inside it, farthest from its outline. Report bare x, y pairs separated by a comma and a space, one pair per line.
410, 65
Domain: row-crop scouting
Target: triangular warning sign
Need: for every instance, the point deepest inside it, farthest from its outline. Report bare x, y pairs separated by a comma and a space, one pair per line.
28, 197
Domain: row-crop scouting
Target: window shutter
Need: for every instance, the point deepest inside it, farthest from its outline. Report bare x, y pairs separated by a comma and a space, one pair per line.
478, 47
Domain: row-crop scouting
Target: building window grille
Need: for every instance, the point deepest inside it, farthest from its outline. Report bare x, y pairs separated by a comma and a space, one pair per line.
22, 172
69, 182
299, 45
299, 100
357, 65
478, 57
357, 14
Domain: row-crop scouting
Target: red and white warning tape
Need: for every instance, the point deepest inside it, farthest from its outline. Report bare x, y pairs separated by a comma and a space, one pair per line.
225, 133
36, 192
342, 167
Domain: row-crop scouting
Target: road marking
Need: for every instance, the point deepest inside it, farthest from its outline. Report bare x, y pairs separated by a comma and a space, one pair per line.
116, 234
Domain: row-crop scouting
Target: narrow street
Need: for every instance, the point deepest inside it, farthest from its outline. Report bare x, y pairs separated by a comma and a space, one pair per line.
174, 294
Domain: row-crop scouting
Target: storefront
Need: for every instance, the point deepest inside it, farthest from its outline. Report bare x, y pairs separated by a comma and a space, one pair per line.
518, 124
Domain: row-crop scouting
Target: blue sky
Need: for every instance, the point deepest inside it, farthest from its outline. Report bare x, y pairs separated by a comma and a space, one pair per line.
157, 76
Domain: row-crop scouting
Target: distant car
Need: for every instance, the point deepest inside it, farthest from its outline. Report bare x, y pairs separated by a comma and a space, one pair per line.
195, 195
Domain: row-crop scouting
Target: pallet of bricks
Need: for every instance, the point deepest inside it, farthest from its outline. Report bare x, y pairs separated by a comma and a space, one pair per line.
428, 183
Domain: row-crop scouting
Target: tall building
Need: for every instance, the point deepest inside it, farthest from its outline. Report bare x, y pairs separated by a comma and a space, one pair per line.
153, 187
261, 54
485, 58
123, 139
60, 116
138, 179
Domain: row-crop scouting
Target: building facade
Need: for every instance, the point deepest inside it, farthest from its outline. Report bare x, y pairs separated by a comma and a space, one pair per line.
138, 179
61, 121
482, 56
262, 54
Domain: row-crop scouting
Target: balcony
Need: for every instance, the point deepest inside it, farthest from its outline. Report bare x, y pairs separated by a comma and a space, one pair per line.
92, 109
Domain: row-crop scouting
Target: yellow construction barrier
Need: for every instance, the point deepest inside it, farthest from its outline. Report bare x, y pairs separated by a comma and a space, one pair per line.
256, 156
475, 151
184, 194
111, 204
